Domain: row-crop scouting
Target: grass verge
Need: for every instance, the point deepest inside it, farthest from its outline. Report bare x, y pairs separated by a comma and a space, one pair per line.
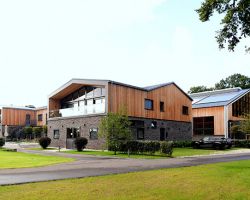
178, 152
22, 160
214, 181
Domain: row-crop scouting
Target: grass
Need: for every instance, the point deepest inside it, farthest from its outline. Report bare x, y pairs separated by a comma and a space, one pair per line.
178, 152
214, 181
22, 160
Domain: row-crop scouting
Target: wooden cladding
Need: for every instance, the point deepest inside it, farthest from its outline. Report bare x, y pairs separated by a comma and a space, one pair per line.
18, 117
217, 113
133, 99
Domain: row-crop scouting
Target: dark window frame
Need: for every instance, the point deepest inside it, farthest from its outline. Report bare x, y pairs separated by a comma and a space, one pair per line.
185, 110
91, 131
58, 134
162, 109
40, 117
146, 107
138, 135
203, 125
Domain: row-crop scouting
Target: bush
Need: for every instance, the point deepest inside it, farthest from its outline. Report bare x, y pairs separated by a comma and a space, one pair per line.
37, 131
167, 148
242, 143
182, 144
2, 142
151, 146
81, 143
44, 142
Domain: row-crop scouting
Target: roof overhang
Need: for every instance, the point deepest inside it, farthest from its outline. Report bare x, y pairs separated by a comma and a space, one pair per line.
75, 84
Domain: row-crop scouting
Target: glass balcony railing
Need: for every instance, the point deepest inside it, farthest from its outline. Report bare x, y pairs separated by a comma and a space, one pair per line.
78, 110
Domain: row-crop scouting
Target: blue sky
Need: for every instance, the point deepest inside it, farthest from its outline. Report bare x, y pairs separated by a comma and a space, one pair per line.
43, 44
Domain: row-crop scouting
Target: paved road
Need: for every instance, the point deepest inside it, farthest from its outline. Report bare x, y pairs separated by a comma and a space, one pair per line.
86, 166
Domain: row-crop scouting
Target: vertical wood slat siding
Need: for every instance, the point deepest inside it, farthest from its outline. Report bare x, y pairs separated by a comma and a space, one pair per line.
133, 100
43, 112
217, 112
16, 117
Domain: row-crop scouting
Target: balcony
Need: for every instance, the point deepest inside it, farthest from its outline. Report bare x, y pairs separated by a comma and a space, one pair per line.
78, 111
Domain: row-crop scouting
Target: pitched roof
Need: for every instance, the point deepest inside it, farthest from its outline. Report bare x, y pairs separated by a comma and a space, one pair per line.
217, 97
103, 82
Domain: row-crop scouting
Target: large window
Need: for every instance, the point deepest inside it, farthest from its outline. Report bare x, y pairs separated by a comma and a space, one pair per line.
242, 106
148, 104
73, 132
203, 125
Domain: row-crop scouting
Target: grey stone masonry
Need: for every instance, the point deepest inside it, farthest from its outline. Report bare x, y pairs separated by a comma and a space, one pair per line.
172, 130
84, 123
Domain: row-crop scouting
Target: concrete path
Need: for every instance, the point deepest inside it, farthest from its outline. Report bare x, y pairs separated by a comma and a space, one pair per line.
87, 165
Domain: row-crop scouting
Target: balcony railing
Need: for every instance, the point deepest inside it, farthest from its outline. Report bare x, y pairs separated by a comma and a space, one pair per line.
78, 110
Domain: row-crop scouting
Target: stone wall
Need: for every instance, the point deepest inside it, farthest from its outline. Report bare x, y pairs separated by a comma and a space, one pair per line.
83, 123
174, 130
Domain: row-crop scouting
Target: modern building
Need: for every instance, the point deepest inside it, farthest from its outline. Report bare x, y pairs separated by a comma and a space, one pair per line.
160, 112
215, 112
14, 118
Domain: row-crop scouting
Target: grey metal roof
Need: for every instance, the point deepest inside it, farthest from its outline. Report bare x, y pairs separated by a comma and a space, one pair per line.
217, 97
103, 81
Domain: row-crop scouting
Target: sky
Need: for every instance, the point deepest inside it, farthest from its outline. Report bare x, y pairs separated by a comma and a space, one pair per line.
44, 44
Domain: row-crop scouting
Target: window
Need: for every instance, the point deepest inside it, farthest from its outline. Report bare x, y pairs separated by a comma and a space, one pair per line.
27, 120
40, 117
140, 133
162, 106
154, 124
184, 110
203, 125
93, 134
241, 106
56, 134
162, 134
148, 104
137, 123
73, 132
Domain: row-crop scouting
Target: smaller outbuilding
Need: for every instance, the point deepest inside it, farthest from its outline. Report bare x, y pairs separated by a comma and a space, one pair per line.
215, 112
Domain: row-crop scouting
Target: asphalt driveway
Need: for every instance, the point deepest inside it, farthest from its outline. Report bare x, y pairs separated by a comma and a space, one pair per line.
87, 165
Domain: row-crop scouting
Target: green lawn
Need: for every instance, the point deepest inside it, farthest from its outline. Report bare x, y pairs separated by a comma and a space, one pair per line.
21, 160
214, 181
176, 153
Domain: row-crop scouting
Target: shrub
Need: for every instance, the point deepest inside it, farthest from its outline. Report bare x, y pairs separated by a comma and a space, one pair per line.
242, 143
151, 146
2, 142
37, 131
182, 144
167, 148
44, 142
81, 143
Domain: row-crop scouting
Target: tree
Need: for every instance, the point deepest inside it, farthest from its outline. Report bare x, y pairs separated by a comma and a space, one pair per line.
245, 124
37, 131
28, 131
115, 129
235, 22
235, 80
197, 89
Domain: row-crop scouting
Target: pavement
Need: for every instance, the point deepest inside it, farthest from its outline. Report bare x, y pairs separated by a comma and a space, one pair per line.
88, 165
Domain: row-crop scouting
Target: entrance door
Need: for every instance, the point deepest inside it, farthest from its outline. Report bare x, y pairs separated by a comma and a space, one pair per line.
72, 134
162, 134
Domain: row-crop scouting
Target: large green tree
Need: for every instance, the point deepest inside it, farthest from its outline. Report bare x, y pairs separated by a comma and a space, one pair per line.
235, 80
200, 88
115, 129
235, 21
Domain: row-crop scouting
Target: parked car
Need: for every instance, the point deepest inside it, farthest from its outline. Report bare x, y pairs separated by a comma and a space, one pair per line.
213, 142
